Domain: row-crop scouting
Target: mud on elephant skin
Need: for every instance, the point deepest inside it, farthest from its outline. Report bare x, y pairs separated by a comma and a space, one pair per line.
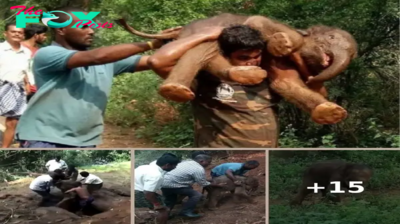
282, 40
326, 172
248, 186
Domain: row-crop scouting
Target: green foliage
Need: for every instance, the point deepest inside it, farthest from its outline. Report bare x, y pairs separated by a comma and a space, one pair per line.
35, 160
377, 204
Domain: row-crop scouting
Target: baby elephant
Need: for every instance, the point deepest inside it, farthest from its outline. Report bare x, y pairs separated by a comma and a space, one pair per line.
326, 172
248, 185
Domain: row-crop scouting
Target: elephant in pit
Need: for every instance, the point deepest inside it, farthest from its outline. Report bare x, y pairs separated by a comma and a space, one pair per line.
248, 184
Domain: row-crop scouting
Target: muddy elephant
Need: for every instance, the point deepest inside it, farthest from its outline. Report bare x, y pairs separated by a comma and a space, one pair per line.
249, 184
281, 40
326, 172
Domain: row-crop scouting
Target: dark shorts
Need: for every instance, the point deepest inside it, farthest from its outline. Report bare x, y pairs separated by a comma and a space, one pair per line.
86, 202
40, 144
142, 202
44, 194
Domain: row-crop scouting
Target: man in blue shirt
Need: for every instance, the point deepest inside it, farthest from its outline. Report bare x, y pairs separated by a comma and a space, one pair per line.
74, 84
232, 169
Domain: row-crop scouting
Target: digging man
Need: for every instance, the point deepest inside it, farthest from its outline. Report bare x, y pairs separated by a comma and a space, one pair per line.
232, 169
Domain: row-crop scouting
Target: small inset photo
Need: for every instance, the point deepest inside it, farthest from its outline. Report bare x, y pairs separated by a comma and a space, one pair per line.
65, 186
200, 187
334, 186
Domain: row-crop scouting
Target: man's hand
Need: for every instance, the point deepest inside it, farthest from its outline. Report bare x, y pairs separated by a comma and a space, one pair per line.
159, 43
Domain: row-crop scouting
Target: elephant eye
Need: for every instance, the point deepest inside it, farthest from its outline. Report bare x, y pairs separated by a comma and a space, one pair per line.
332, 36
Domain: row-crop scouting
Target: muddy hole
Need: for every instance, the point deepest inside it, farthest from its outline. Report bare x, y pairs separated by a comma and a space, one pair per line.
72, 205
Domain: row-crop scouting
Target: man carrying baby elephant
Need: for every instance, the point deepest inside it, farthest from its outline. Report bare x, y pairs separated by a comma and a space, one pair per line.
232, 169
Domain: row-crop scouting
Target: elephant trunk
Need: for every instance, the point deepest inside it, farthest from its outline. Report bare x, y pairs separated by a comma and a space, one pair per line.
341, 59
130, 29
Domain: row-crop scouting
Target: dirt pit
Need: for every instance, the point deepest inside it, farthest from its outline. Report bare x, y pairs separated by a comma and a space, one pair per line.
110, 206
228, 211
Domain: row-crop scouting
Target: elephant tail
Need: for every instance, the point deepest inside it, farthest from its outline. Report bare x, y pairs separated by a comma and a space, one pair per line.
165, 36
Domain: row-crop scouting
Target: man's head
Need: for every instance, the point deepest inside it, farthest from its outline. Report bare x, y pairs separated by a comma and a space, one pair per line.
36, 32
196, 153
242, 45
58, 158
77, 38
13, 34
84, 174
168, 161
203, 160
251, 164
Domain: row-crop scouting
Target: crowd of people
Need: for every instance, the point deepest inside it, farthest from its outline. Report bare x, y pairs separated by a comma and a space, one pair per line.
56, 96
83, 183
174, 178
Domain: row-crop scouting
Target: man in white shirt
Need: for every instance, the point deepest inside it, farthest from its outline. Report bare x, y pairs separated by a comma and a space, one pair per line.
148, 180
180, 181
14, 83
91, 181
41, 185
55, 164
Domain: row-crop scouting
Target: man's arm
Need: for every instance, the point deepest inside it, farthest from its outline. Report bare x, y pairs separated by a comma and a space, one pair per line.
166, 58
230, 175
70, 190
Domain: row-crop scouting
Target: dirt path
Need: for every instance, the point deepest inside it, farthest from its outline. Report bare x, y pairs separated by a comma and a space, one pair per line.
230, 212
20, 207
116, 137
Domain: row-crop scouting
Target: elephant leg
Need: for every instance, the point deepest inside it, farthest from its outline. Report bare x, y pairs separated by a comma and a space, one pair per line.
303, 192
214, 196
246, 75
176, 86
281, 40
286, 82
241, 192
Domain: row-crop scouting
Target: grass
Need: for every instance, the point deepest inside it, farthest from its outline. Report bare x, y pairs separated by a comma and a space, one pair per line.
115, 166
378, 204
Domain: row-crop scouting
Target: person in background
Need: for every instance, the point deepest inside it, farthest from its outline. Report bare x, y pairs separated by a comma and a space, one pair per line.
148, 180
92, 182
35, 35
14, 83
56, 163
232, 169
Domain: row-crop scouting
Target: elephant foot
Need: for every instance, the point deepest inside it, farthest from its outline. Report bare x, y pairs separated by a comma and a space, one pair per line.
176, 92
328, 113
247, 75
280, 45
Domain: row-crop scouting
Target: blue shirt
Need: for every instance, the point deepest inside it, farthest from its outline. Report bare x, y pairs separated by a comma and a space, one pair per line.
220, 170
69, 105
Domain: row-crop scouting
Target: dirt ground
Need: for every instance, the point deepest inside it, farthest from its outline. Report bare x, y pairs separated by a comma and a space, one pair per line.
18, 205
228, 212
